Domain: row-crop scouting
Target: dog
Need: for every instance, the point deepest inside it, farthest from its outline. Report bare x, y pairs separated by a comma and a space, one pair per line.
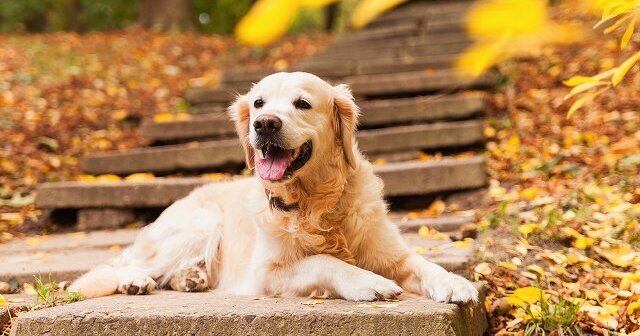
312, 221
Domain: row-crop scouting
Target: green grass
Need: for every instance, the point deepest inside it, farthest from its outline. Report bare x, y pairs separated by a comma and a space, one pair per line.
557, 319
50, 293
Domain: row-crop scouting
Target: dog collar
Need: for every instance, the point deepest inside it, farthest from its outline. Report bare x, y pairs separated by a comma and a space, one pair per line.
278, 203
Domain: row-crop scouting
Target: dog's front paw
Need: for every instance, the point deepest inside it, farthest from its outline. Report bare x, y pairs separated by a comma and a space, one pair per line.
192, 279
137, 286
449, 287
369, 287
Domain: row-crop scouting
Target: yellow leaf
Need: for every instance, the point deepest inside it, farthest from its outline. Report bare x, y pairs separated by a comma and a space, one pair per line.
620, 255
367, 10
529, 193
497, 17
140, 177
628, 33
583, 242
584, 87
526, 229
508, 265
86, 178
164, 117
461, 244
628, 280
107, 178
622, 70
577, 80
528, 294
214, 176
3, 302
576, 106
266, 21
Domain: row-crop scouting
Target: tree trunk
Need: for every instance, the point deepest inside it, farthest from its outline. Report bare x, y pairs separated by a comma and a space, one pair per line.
331, 13
166, 15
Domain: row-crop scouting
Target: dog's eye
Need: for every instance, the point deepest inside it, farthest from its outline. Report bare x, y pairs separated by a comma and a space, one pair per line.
258, 103
302, 104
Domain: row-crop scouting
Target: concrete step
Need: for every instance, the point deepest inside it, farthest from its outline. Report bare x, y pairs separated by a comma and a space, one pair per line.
441, 39
328, 69
211, 313
414, 82
199, 126
402, 178
375, 113
211, 154
67, 256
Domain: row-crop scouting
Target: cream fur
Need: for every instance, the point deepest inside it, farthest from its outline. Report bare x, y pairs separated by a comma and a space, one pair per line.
340, 242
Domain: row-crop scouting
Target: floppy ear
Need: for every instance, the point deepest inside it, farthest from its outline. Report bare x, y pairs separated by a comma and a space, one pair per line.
345, 115
239, 113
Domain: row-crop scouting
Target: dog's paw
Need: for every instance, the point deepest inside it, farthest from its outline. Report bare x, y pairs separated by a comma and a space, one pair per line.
137, 286
449, 287
192, 279
370, 287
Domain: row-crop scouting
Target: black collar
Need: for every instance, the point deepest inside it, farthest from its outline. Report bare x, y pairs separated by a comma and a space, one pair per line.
278, 203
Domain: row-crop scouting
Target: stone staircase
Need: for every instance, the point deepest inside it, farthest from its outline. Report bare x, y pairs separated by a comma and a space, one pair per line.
399, 69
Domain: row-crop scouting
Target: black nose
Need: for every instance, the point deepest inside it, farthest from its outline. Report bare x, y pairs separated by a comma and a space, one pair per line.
267, 124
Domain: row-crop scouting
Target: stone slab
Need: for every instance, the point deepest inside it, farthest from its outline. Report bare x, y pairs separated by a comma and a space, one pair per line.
416, 82
213, 124
103, 239
441, 223
173, 313
402, 178
210, 154
420, 178
421, 109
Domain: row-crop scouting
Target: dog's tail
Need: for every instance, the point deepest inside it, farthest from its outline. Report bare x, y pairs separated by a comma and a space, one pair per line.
100, 281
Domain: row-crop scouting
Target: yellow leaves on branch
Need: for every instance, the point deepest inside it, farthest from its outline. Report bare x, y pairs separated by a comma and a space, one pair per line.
616, 13
504, 29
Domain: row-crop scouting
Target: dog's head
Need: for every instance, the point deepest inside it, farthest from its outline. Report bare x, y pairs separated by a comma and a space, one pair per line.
290, 122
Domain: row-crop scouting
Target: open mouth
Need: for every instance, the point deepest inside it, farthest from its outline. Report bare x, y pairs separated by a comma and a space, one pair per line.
276, 163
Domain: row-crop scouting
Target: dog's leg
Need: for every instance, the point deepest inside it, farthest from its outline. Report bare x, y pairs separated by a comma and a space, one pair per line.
190, 279
389, 255
186, 232
324, 272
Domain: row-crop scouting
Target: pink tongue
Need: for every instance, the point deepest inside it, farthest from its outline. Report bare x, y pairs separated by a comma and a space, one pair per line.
274, 165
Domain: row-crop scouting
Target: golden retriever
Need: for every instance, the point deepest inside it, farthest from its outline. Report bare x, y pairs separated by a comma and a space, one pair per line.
311, 222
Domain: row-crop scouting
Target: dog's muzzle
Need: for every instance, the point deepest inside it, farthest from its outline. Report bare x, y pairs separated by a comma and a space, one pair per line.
277, 163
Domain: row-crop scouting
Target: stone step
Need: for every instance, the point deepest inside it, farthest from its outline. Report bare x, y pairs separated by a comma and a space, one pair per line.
401, 30
211, 154
414, 82
420, 49
66, 256
211, 313
402, 178
375, 113
328, 69
199, 126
